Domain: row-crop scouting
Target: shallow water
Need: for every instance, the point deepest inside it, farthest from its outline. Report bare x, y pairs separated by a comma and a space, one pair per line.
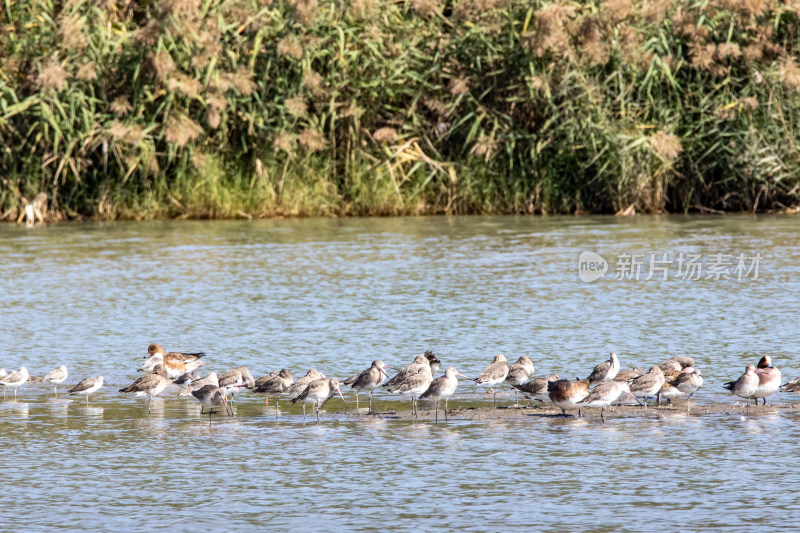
335, 294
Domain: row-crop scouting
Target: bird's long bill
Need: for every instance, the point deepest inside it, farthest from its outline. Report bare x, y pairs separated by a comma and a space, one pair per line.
227, 407
462, 375
340, 396
635, 398
384, 372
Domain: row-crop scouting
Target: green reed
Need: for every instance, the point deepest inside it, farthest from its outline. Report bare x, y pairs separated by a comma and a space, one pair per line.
187, 108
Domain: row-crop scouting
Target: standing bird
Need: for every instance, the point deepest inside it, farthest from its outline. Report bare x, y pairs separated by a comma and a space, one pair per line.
769, 379
647, 385
605, 394
300, 385
494, 374
211, 396
368, 380
175, 363
149, 385
566, 394
318, 392
15, 379
605, 371
274, 385
536, 389
746, 386
86, 387
234, 380
443, 387
687, 383
55, 377
520, 372
197, 384
412, 381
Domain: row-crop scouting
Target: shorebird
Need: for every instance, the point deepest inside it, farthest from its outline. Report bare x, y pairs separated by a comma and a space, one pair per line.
86, 387
789, 386
175, 363
368, 380
494, 374
443, 387
668, 390
151, 361
412, 381
687, 383
681, 361
769, 379
647, 385
420, 364
520, 372
197, 384
605, 371
536, 389
211, 396
300, 385
628, 375
605, 394
746, 386
566, 394
55, 377
671, 369
433, 361
275, 384
318, 392
149, 385
15, 379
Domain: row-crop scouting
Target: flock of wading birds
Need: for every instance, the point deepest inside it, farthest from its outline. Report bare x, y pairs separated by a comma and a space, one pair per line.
676, 379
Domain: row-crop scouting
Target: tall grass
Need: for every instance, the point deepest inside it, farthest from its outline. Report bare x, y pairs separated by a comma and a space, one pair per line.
224, 108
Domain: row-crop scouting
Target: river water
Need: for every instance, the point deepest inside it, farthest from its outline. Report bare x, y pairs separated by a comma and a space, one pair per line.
335, 294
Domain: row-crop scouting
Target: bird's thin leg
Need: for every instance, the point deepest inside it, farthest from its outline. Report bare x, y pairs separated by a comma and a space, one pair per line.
645, 406
436, 420
317, 412
445, 409
494, 399
369, 409
603, 418
356, 401
266, 401
304, 410
202, 409
149, 399
55, 392
276, 407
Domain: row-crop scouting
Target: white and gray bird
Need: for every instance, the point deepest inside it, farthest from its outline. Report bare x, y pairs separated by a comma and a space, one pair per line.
56, 376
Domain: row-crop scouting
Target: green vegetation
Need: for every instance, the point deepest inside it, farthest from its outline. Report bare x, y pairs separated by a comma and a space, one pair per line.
222, 108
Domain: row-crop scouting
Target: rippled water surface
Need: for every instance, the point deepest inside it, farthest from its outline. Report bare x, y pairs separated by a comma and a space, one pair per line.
336, 294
